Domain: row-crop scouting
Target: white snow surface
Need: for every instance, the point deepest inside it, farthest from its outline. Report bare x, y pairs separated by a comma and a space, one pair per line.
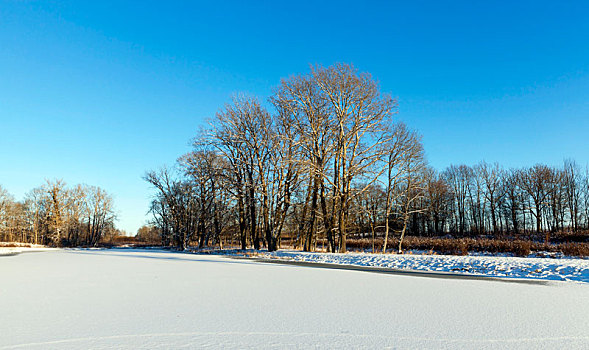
561, 269
17, 250
150, 299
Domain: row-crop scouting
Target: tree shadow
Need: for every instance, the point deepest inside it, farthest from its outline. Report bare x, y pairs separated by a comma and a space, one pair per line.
197, 257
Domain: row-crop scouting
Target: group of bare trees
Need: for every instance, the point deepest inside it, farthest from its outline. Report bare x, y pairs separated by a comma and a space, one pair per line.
485, 201
488, 200
54, 214
300, 169
328, 161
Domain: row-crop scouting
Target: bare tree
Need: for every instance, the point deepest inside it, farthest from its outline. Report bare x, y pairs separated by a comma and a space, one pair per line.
403, 157
514, 200
34, 211
308, 109
371, 204
99, 212
56, 202
175, 205
360, 116
458, 178
6, 202
412, 190
239, 134
572, 184
492, 177
57, 215
438, 198
535, 182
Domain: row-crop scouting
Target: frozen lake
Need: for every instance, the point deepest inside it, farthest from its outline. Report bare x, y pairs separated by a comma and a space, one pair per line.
104, 299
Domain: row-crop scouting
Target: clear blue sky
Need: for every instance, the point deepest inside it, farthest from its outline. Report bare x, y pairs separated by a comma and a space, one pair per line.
99, 92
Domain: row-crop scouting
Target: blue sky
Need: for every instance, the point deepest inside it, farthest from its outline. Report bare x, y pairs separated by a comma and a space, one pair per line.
99, 92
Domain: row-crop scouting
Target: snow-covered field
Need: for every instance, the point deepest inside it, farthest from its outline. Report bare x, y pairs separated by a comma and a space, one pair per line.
495, 266
123, 298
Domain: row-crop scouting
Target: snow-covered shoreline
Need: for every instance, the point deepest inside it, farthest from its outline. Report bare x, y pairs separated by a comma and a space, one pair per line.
8, 251
560, 269
536, 268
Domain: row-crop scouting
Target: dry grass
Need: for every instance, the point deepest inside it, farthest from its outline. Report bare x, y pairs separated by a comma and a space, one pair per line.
567, 244
462, 246
16, 245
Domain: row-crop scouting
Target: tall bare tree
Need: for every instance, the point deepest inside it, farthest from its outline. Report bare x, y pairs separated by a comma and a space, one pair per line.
492, 179
403, 160
360, 115
535, 181
572, 183
309, 111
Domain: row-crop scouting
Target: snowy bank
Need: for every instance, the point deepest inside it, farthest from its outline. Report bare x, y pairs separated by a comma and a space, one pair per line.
9, 251
565, 269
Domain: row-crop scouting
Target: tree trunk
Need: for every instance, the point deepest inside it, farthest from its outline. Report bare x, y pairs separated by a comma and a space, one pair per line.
326, 222
386, 229
405, 221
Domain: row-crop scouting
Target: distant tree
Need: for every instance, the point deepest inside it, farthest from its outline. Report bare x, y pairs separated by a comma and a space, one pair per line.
56, 215
148, 234
492, 176
174, 206
535, 181
100, 214
56, 205
514, 199
572, 184
371, 205
6, 203
458, 177
437, 198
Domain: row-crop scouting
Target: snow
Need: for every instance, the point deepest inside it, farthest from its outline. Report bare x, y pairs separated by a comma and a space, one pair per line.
149, 299
563, 269
4, 251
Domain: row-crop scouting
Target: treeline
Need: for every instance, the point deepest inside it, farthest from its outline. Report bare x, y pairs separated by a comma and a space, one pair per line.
488, 200
329, 162
57, 215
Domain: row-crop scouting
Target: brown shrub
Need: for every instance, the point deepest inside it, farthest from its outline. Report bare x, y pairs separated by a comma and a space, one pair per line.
521, 248
574, 249
462, 246
15, 245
